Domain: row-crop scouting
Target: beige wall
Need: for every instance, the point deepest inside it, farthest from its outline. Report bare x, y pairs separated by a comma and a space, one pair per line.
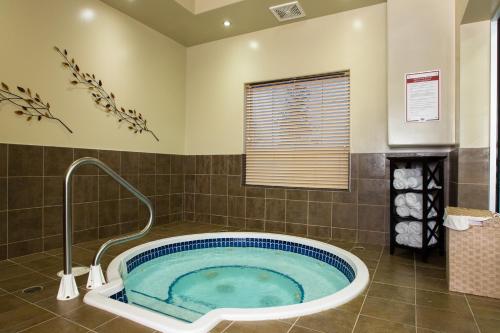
217, 71
475, 85
144, 69
421, 36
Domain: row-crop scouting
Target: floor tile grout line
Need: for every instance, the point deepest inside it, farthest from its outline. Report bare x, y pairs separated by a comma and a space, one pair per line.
472, 312
107, 322
367, 291
225, 329
293, 324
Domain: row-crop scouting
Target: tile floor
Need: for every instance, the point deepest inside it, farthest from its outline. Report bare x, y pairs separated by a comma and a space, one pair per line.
405, 295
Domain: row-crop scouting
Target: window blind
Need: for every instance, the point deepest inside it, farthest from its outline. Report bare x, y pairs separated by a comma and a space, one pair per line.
297, 132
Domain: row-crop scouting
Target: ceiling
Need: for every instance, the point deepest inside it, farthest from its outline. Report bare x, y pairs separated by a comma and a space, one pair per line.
192, 22
174, 20
480, 10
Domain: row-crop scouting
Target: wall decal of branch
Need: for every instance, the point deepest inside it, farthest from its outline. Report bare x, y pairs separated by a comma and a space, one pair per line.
107, 101
30, 104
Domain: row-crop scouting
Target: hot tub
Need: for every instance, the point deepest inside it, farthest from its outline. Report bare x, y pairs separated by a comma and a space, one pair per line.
191, 283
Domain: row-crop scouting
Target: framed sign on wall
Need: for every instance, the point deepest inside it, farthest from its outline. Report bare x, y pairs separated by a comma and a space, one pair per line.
422, 94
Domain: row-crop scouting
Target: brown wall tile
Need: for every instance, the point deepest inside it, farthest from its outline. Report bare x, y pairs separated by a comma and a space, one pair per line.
163, 184
275, 193
372, 191
189, 183
234, 164
25, 192
255, 192
129, 162
202, 204
53, 220
296, 211
3, 160
236, 206
202, 184
3, 227
234, 186
86, 169
111, 158
296, 229
203, 164
177, 183
218, 204
85, 189
473, 166
109, 212
163, 164
129, 210
372, 218
53, 190
57, 160
25, 224
109, 189
162, 205
176, 205
189, 202
218, 184
320, 214
274, 226
324, 196
177, 164
236, 222
255, 225
255, 208
25, 247
345, 216
317, 231
350, 196
189, 164
147, 163
372, 166
296, 194
86, 216
219, 164
275, 209
147, 184
133, 179
3, 193
473, 196
25, 160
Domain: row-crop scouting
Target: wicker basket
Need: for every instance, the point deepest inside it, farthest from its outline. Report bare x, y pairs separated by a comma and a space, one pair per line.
473, 255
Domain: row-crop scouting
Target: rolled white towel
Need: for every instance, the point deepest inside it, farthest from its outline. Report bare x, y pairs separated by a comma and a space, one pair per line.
414, 182
417, 213
415, 227
400, 200
402, 227
416, 240
400, 184
402, 239
403, 211
405, 173
414, 200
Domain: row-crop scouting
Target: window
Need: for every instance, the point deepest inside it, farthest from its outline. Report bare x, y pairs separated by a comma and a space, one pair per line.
297, 132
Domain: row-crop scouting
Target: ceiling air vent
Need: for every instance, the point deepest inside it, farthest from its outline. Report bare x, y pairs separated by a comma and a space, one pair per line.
287, 11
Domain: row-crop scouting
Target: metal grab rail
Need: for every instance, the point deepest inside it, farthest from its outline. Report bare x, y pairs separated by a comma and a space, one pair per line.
67, 289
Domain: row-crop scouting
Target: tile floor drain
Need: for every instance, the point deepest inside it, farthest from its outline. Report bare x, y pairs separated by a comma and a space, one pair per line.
32, 290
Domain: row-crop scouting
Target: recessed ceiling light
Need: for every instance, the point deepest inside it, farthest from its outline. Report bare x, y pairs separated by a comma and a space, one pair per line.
254, 45
227, 23
87, 14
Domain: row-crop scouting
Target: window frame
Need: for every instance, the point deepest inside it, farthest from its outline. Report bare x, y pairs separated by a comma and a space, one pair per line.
246, 85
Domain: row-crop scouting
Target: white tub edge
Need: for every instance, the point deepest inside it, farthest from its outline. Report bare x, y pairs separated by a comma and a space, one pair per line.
100, 297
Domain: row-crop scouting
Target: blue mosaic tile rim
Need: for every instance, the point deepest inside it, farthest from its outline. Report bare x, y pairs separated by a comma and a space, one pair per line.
273, 244
120, 296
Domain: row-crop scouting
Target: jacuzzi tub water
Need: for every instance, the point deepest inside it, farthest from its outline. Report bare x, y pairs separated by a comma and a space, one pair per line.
190, 283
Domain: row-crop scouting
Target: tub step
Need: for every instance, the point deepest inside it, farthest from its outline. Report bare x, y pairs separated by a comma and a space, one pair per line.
157, 305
